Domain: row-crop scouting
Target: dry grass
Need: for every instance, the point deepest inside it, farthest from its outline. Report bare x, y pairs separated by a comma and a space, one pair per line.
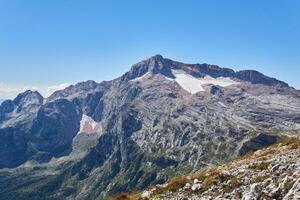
266, 153
234, 183
125, 196
261, 178
214, 176
292, 142
122, 196
176, 184
209, 177
294, 146
248, 155
259, 166
288, 186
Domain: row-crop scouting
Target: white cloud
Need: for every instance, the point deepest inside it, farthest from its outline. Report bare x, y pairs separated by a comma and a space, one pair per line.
11, 91
53, 88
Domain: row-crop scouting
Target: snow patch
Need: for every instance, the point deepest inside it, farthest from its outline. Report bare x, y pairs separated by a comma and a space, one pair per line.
194, 85
89, 126
141, 77
170, 79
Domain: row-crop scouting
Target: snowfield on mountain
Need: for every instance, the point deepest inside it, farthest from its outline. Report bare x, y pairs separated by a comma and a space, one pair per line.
161, 119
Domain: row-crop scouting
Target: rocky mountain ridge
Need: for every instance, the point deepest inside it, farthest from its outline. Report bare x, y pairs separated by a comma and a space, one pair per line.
161, 119
159, 65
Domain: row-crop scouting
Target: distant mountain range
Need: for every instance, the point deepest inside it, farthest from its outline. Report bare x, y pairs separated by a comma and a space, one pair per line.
161, 119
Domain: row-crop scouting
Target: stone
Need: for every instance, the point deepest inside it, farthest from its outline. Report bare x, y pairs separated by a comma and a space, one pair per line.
196, 186
146, 194
187, 186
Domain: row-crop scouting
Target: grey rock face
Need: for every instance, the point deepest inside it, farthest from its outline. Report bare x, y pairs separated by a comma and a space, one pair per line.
256, 77
156, 65
53, 130
37, 131
16, 118
13, 147
152, 129
78, 90
215, 71
21, 111
159, 65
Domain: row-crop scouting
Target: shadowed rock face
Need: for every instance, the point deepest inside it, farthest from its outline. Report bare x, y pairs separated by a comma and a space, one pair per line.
256, 77
215, 90
33, 131
56, 125
215, 71
151, 127
13, 147
259, 142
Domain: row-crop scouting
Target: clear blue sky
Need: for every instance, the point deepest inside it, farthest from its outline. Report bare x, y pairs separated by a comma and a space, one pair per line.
49, 42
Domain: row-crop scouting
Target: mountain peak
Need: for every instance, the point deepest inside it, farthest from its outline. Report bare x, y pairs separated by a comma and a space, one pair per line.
154, 65
141, 117
157, 57
29, 95
157, 64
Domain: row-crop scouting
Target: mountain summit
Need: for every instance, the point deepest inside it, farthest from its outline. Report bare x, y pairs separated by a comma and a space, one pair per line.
159, 65
161, 119
155, 65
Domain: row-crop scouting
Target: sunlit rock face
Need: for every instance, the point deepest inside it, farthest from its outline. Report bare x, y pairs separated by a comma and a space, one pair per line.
160, 119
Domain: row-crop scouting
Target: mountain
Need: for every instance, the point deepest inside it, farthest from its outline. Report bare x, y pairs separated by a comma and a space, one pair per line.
272, 173
161, 119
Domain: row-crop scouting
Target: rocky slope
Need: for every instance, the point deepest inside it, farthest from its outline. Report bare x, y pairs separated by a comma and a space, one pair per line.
161, 119
272, 173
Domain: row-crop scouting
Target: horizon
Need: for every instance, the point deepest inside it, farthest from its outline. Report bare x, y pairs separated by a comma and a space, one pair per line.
49, 45
47, 90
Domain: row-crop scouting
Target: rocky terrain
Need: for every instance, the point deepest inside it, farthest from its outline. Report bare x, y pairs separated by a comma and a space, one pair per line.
272, 173
159, 120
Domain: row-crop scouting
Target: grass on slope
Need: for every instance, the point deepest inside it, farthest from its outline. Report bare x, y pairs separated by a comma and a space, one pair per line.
214, 175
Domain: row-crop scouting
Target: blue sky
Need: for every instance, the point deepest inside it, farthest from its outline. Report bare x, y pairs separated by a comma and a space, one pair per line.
50, 43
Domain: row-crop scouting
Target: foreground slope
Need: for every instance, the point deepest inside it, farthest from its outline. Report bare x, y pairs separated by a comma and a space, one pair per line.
272, 173
159, 120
